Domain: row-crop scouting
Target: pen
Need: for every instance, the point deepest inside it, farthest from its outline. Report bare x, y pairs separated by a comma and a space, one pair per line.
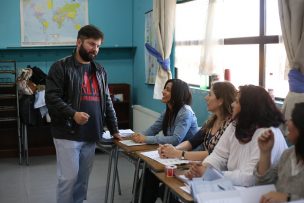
221, 187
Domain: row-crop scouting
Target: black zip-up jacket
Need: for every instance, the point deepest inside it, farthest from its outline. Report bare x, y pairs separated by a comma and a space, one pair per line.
62, 96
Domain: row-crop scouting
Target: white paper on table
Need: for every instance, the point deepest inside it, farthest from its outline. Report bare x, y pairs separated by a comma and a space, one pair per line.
212, 173
186, 188
123, 133
130, 143
253, 194
219, 197
184, 179
170, 161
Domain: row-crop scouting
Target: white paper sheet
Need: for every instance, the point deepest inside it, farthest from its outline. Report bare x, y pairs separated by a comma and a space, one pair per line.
155, 156
209, 194
186, 189
123, 133
131, 143
253, 194
212, 173
220, 197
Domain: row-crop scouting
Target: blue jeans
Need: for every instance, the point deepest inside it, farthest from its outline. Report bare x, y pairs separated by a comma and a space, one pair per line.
74, 165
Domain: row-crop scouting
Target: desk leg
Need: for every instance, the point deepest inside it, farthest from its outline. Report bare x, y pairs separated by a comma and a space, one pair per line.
135, 180
26, 145
116, 151
166, 195
109, 174
142, 182
118, 182
20, 126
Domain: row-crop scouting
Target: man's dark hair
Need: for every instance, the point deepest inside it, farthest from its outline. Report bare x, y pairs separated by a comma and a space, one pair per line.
89, 31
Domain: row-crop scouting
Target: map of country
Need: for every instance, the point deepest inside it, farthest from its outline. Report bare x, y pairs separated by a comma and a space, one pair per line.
52, 22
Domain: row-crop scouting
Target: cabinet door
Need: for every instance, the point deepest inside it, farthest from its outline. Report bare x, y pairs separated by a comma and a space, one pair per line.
120, 94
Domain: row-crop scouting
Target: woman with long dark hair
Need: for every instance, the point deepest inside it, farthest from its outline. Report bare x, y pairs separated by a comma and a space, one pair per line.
218, 101
288, 175
237, 152
178, 122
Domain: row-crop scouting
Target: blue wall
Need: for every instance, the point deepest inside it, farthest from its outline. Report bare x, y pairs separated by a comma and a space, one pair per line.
123, 23
113, 17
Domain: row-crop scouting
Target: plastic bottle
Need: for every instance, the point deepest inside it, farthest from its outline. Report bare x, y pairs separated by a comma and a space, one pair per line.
227, 76
270, 85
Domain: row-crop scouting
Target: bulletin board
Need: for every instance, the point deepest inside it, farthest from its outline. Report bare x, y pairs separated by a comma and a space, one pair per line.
151, 63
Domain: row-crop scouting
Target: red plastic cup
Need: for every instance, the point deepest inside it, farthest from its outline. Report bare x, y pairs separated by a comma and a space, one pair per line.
170, 170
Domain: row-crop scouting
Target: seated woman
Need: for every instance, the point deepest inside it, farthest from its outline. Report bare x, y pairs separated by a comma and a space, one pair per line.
219, 100
288, 175
237, 152
178, 122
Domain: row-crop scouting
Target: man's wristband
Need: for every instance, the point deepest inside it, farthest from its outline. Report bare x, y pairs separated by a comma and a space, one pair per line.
288, 197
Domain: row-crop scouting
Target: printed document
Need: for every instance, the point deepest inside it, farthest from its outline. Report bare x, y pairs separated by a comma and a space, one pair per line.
123, 133
170, 161
130, 143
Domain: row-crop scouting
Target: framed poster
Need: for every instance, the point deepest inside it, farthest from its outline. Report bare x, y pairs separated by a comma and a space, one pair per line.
151, 63
52, 22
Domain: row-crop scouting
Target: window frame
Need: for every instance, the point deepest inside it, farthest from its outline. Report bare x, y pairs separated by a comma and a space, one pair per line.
260, 40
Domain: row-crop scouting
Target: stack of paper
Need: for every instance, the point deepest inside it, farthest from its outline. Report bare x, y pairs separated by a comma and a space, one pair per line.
130, 143
170, 161
222, 191
212, 173
123, 133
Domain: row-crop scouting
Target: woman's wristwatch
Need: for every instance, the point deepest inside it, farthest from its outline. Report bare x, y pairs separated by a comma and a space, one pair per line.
183, 155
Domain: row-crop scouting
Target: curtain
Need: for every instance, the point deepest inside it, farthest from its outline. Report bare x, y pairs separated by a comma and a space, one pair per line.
164, 22
292, 24
212, 39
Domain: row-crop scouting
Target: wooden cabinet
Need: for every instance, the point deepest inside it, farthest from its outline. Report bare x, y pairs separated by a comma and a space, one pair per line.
10, 144
120, 95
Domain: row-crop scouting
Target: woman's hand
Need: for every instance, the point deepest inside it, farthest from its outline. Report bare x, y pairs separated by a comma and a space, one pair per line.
197, 169
160, 151
274, 197
137, 137
266, 141
169, 151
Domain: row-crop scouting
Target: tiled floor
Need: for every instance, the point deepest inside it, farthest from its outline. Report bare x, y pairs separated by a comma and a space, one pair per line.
36, 183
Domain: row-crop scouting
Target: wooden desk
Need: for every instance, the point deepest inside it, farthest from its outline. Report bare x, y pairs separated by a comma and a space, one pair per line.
130, 151
147, 163
174, 185
150, 163
171, 183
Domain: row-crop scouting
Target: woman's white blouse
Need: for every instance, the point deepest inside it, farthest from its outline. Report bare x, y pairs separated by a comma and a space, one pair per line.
237, 161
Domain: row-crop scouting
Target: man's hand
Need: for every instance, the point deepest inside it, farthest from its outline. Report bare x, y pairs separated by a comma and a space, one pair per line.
81, 118
137, 137
117, 136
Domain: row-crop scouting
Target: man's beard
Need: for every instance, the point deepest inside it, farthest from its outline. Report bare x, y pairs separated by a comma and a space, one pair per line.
85, 55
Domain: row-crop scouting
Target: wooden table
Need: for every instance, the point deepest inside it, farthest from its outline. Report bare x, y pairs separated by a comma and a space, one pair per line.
130, 151
174, 184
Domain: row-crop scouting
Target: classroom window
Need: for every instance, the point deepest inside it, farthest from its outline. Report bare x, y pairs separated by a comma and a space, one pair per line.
252, 47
